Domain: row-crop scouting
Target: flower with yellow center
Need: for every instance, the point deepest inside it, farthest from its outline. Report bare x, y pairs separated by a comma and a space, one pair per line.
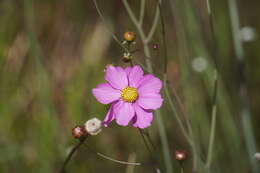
129, 94
132, 94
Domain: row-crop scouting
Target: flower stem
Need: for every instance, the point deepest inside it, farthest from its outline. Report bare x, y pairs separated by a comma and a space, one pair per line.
142, 9
112, 159
109, 30
145, 40
245, 112
73, 150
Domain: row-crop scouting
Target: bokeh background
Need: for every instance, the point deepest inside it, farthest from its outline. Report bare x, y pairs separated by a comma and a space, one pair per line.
52, 53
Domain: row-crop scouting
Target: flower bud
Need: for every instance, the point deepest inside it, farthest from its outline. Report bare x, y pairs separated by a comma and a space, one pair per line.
129, 36
180, 155
126, 57
79, 131
93, 126
155, 46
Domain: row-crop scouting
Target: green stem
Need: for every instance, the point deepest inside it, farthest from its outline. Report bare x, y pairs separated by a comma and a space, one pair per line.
244, 100
145, 41
142, 9
213, 124
155, 23
104, 21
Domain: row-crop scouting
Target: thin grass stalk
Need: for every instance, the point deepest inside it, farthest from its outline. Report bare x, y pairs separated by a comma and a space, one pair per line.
244, 100
107, 27
71, 153
166, 84
183, 52
214, 54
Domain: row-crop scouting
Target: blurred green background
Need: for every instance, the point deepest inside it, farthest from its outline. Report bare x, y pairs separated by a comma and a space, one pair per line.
52, 53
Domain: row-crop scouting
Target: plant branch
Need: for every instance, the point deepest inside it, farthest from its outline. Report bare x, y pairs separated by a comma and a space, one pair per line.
155, 22
142, 9
104, 21
73, 150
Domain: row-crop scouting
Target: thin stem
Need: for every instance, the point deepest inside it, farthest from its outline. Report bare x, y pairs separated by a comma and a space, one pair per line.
112, 159
182, 168
164, 39
109, 30
155, 23
161, 128
168, 96
73, 150
215, 89
142, 9
145, 142
134, 20
149, 139
190, 136
212, 136
243, 85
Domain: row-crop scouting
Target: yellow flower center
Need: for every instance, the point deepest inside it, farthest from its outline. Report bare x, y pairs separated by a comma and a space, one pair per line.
129, 94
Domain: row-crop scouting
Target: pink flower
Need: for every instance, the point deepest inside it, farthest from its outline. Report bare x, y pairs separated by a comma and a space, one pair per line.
132, 95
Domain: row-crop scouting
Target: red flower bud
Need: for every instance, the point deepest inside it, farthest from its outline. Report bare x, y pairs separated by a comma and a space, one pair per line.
180, 155
79, 131
155, 46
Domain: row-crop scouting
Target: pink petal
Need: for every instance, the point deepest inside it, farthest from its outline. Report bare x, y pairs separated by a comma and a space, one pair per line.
152, 101
116, 77
109, 117
128, 70
135, 75
143, 118
124, 113
105, 94
149, 84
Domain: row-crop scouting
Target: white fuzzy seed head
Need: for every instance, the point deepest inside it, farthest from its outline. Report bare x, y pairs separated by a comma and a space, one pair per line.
257, 156
248, 34
199, 64
93, 126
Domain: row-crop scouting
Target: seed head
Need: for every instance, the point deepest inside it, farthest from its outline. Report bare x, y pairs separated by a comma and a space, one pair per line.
93, 126
257, 156
129, 36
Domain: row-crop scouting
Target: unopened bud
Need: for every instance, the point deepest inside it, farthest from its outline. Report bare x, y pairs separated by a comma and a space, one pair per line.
180, 155
155, 46
79, 131
129, 36
126, 57
93, 126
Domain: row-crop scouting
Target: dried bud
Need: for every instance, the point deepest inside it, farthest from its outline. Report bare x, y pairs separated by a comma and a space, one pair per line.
93, 126
155, 46
180, 155
126, 57
129, 36
79, 131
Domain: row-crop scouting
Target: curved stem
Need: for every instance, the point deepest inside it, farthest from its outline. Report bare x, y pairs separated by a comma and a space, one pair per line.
155, 23
112, 159
167, 93
74, 149
104, 21
142, 9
